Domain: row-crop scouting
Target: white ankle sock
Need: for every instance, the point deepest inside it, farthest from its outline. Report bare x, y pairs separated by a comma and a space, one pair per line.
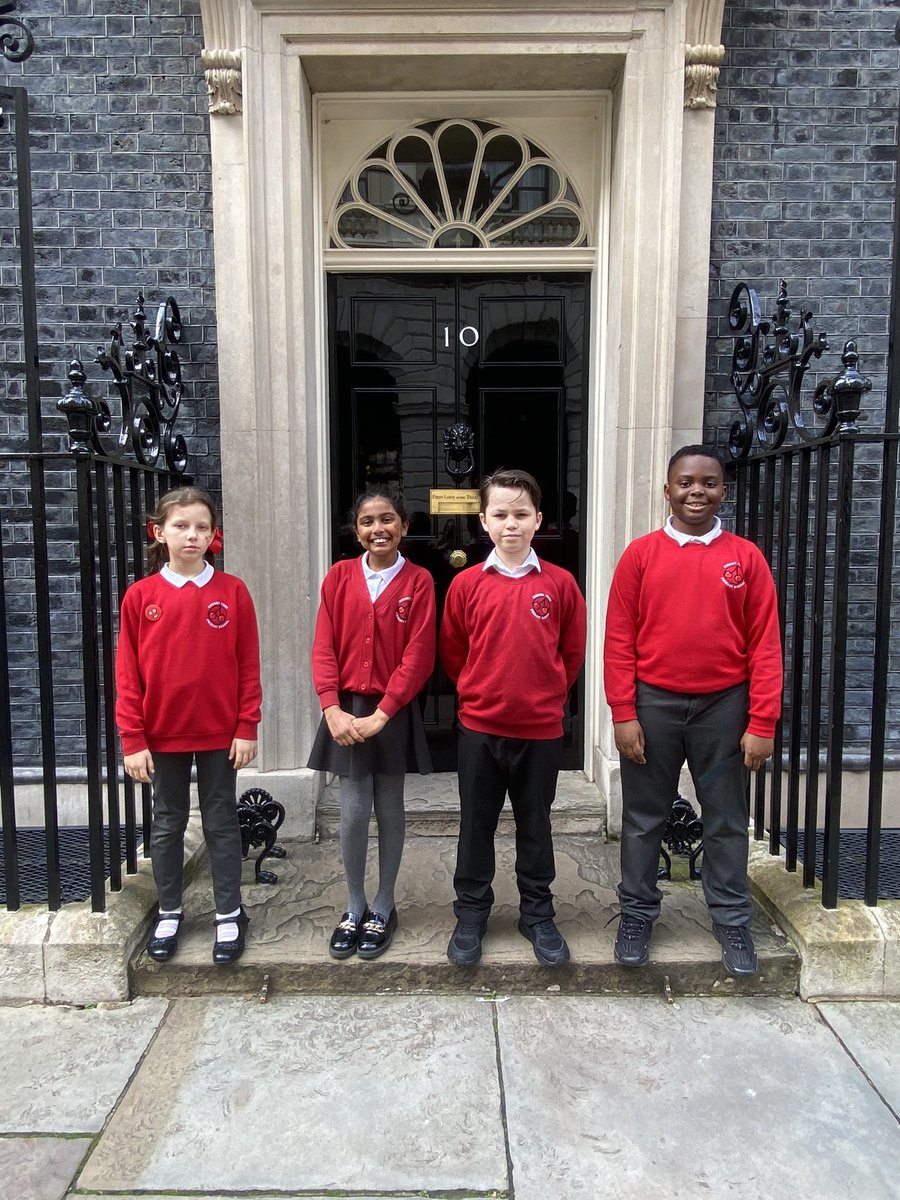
229, 932
166, 924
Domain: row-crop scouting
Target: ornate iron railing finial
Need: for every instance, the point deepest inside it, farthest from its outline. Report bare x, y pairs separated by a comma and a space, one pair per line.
16, 39
767, 372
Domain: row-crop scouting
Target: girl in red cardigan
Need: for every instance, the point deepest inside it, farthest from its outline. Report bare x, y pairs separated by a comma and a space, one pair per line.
373, 651
187, 689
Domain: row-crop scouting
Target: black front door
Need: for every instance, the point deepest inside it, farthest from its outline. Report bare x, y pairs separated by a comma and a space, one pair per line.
413, 355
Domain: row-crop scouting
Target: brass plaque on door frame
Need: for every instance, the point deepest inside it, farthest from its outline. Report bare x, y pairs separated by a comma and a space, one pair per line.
454, 501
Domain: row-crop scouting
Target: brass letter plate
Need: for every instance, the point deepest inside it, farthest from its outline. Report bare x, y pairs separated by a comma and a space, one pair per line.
448, 501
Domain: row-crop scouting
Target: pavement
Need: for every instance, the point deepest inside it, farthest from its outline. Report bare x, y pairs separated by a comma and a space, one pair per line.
527, 1097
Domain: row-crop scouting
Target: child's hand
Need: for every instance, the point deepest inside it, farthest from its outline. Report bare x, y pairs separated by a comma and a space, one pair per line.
756, 750
630, 740
341, 727
139, 766
369, 726
242, 752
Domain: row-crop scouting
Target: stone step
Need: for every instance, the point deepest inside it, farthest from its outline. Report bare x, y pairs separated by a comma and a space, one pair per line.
432, 807
292, 920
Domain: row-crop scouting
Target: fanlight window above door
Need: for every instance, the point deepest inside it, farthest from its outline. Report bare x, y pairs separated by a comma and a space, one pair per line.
457, 184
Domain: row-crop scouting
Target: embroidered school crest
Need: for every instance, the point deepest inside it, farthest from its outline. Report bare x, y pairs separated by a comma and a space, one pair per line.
540, 605
733, 575
404, 604
153, 612
217, 614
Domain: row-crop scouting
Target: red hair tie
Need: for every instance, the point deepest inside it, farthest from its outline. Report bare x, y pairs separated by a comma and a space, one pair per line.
151, 525
215, 546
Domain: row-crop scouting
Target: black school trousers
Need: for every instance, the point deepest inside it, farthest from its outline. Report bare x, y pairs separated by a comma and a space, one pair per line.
489, 767
706, 731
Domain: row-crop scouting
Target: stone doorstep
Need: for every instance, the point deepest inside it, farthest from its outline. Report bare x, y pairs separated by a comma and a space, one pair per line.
76, 956
292, 921
849, 952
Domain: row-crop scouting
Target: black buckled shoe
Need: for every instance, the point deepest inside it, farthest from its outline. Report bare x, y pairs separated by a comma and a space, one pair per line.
549, 945
161, 949
345, 938
377, 934
464, 947
229, 952
633, 941
738, 951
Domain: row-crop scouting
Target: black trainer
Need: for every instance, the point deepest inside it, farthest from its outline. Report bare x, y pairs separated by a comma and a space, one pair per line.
464, 947
549, 945
738, 951
633, 941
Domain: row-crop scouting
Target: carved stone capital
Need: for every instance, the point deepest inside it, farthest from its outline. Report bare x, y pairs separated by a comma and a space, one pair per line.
222, 56
222, 69
701, 75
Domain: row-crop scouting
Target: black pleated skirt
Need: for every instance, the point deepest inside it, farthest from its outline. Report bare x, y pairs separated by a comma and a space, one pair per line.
399, 748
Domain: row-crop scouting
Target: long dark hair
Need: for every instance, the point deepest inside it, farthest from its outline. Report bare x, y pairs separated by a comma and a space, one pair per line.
377, 493
157, 553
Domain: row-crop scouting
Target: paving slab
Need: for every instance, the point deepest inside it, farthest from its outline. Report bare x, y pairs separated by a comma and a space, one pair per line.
292, 921
870, 1029
749, 1098
63, 1069
40, 1168
378, 1094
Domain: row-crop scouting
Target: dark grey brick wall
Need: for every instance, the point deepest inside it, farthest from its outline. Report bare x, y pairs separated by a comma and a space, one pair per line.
803, 190
122, 204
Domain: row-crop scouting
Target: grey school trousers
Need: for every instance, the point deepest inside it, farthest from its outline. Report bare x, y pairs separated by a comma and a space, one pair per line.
705, 730
217, 786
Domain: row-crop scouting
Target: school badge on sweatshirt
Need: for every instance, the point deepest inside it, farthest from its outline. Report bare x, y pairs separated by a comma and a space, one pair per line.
540, 605
153, 612
217, 614
733, 575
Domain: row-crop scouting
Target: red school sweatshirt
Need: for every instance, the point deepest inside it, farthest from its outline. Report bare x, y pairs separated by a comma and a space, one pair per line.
514, 647
694, 619
384, 649
187, 665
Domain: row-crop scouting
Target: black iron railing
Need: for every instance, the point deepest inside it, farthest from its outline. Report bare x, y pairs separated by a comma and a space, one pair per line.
822, 506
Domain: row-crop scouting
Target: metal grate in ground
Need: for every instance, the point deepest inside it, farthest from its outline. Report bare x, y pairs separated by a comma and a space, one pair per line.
852, 867
74, 864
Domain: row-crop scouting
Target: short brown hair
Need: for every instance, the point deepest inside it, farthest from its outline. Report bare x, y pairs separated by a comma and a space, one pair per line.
510, 477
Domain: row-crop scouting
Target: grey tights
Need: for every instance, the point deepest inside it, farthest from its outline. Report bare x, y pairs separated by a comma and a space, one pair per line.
384, 793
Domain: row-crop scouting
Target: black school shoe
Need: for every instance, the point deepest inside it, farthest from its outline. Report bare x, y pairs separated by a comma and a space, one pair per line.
161, 949
229, 952
464, 947
549, 945
377, 934
345, 938
738, 952
633, 941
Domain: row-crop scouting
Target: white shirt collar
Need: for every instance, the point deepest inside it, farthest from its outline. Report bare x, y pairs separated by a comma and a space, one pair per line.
377, 581
531, 563
685, 539
179, 581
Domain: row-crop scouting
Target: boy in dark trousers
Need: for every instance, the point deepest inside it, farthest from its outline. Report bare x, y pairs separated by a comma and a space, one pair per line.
693, 670
512, 639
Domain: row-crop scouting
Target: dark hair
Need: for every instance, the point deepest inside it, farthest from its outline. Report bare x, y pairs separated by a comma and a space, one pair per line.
157, 554
510, 477
696, 452
376, 493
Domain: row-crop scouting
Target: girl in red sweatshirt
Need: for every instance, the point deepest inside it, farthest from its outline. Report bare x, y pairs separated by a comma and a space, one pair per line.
373, 651
188, 690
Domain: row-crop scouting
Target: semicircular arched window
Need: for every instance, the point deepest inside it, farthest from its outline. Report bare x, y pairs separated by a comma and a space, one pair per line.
457, 184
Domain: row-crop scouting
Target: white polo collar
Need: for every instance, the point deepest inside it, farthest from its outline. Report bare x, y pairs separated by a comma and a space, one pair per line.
686, 539
179, 581
531, 563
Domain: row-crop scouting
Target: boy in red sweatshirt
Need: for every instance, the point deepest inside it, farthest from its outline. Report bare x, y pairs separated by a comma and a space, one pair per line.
512, 639
692, 670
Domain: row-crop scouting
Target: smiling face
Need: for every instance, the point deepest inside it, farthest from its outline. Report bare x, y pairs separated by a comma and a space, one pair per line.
511, 521
695, 491
379, 530
186, 533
